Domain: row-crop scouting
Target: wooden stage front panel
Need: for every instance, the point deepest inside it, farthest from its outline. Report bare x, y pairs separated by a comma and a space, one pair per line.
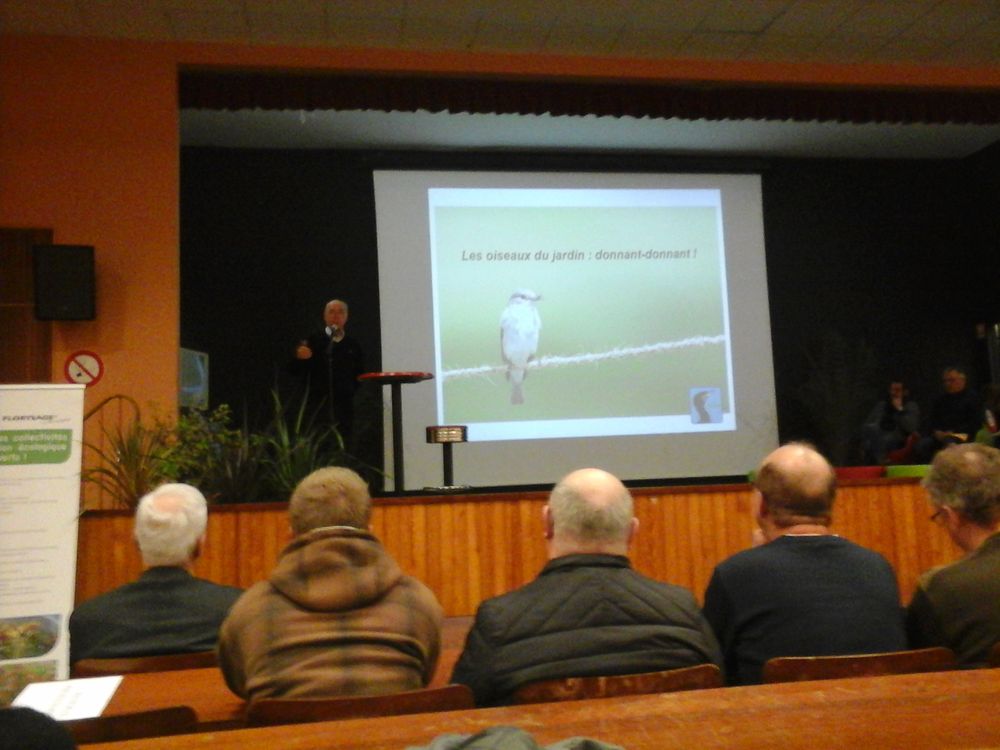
471, 547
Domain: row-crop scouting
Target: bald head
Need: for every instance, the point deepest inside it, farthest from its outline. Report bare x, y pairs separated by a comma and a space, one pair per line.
797, 485
589, 510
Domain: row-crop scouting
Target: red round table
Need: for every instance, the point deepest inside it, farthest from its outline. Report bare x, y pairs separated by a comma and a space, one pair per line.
396, 380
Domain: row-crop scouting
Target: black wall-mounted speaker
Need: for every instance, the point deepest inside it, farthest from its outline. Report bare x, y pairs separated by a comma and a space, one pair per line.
64, 282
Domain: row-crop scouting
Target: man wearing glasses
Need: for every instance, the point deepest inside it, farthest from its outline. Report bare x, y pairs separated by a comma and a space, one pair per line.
958, 605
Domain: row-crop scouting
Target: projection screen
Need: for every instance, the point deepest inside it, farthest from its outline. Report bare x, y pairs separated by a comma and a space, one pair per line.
569, 320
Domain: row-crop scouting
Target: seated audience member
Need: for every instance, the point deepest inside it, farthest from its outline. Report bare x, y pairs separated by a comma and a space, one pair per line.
958, 605
28, 729
588, 613
803, 591
989, 433
891, 421
956, 416
337, 616
168, 610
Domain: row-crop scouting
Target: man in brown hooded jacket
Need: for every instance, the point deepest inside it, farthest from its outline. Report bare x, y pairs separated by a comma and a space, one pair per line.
337, 616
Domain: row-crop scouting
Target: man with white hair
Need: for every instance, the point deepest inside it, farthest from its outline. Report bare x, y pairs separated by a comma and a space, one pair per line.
588, 613
167, 610
958, 605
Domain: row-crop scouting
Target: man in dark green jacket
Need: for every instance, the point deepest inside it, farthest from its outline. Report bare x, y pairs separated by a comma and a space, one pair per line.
958, 605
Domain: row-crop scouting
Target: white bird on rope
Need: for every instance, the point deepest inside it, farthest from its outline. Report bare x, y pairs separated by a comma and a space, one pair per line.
519, 329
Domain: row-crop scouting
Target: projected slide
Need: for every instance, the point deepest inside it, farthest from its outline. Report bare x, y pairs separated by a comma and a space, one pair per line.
574, 313
577, 319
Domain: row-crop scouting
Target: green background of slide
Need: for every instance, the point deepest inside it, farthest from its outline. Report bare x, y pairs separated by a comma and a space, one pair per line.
587, 306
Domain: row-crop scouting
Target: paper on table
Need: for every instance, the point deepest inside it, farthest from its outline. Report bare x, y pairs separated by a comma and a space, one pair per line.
64, 700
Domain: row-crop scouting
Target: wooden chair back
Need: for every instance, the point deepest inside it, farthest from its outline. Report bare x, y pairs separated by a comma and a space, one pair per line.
578, 688
272, 711
158, 722
799, 668
993, 659
133, 664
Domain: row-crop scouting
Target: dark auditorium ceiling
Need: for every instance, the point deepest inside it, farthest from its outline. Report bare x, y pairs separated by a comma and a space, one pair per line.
954, 33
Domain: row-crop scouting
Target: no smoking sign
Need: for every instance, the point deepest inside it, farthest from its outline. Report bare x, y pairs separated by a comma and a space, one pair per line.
83, 367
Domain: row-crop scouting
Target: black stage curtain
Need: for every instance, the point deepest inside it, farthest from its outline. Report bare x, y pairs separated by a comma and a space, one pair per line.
230, 90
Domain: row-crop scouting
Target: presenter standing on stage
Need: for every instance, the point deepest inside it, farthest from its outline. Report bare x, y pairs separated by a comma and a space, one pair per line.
331, 361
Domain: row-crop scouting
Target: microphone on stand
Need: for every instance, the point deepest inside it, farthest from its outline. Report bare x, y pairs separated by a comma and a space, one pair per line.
332, 330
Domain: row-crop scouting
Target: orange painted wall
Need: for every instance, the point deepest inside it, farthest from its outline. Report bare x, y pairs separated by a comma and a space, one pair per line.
89, 148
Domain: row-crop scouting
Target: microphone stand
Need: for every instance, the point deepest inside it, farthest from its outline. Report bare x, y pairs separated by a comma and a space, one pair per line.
329, 375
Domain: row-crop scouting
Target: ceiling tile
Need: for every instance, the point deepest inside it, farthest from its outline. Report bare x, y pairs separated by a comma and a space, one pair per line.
436, 33
885, 17
597, 12
367, 31
458, 12
771, 47
518, 12
955, 18
283, 28
683, 15
580, 39
728, 16
975, 49
496, 36
849, 48
913, 49
361, 8
284, 7
197, 6
132, 19
650, 43
813, 17
717, 46
57, 17
225, 22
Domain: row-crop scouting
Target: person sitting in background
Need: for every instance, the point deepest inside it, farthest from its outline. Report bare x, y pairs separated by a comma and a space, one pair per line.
587, 613
958, 605
889, 424
956, 416
168, 610
802, 591
337, 616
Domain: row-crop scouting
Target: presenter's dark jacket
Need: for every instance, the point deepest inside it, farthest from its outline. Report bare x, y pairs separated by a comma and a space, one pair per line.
166, 611
332, 371
585, 615
958, 605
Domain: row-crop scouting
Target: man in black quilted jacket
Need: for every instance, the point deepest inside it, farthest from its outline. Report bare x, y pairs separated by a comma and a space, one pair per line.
588, 613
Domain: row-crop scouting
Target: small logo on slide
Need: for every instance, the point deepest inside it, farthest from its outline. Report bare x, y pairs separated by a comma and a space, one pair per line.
705, 405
